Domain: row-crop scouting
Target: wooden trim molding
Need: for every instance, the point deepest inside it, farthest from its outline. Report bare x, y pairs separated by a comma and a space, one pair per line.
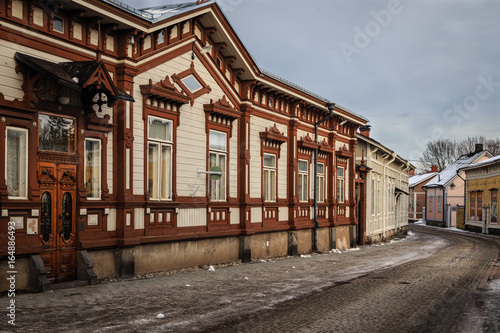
192, 95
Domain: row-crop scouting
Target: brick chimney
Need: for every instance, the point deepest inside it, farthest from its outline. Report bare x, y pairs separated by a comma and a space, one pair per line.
412, 172
365, 130
434, 168
479, 148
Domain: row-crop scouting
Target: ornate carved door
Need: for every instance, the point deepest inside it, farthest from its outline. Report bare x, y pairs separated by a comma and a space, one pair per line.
58, 209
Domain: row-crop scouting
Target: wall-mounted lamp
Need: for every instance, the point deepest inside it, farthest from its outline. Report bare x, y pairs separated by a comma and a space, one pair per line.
63, 100
204, 49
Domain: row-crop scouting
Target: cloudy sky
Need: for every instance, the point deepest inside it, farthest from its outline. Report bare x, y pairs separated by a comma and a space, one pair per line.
418, 70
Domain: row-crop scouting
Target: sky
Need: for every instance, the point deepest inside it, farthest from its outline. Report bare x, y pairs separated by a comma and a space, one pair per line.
417, 70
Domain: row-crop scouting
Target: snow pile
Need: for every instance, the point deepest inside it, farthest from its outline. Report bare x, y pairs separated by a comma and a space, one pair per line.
305, 256
211, 269
160, 316
336, 251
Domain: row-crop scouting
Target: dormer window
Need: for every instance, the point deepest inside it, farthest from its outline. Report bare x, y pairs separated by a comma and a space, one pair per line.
191, 83
58, 24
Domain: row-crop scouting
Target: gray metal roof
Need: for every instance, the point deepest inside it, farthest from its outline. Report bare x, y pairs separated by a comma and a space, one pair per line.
158, 13
451, 171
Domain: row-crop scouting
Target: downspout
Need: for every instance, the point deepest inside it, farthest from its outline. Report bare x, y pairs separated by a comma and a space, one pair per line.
465, 196
331, 108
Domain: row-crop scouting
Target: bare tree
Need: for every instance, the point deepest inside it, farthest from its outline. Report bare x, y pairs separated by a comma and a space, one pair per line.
440, 153
493, 146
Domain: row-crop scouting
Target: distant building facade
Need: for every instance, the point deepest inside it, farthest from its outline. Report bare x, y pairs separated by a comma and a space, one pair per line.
416, 198
384, 177
446, 190
483, 181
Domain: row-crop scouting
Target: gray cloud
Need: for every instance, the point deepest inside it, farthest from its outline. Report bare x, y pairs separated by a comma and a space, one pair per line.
425, 58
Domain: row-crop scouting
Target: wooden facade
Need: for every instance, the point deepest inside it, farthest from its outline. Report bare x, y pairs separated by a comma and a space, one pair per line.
125, 136
382, 189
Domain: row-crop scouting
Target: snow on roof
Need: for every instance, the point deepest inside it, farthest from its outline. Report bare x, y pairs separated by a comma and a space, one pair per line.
451, 170
158, 13
417, 179
485, 162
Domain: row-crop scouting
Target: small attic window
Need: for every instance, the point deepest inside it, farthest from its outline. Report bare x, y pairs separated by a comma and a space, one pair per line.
191, 83
452, 186
58, 24
161, 37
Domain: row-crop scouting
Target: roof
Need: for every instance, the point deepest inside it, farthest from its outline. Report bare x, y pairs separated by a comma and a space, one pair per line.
376, 143
73, 75
159, 13
453, 169
417, 179
489, 161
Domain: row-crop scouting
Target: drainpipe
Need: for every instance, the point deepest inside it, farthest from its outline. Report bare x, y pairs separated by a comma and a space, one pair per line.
465, 196
331, 108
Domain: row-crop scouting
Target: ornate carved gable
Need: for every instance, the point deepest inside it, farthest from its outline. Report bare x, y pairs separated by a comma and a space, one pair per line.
324, 147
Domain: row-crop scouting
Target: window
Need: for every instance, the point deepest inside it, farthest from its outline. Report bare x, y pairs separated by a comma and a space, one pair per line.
93, 168
56, 133
161, 37
494, 206
217, 162
58, 24
191, 83
479, 207
430, 203
160, 159
269, 174
16, 162
340, 184
303, 180
373, 197
439, 204
320, 185
472, 206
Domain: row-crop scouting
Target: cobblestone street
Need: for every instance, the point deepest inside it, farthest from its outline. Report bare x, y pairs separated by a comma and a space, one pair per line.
419, 284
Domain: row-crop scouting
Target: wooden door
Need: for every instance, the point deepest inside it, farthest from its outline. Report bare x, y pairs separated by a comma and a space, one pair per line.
57, 222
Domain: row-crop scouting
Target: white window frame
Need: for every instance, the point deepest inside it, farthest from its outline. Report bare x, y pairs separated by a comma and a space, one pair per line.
220, 191
99, 158
269, 178
303, 182
22, 182
163, 180
321, 185
341, 184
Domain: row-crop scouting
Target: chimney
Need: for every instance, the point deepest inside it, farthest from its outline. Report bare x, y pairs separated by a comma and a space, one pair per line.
365, 130
412, 172
479, 148
434, 168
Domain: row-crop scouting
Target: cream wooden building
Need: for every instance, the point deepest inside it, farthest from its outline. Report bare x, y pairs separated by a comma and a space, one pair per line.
382, 182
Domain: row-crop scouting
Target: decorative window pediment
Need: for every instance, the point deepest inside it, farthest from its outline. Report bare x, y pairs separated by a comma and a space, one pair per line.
191, 83
307, 143
271, 140
163, 93
343, 153
325, 148
221, 110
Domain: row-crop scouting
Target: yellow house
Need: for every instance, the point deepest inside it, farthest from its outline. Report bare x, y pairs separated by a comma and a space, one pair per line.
483, 180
